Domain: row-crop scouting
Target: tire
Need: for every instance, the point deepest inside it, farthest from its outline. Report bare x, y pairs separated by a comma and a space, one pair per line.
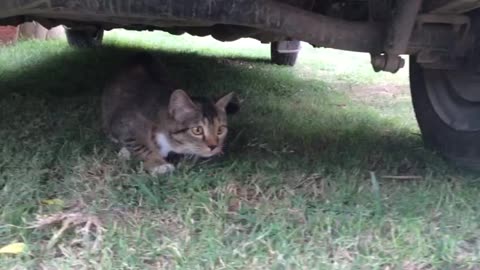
284, 53
81, 38
447, 108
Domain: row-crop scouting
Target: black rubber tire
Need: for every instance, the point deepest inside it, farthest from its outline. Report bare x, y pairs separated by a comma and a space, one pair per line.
284, 59
84, 38
459, 146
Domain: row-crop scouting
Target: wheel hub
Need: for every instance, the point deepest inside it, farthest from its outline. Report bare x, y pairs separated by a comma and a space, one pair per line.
455, 96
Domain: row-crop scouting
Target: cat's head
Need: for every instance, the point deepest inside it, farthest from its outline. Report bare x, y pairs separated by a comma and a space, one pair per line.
200, 124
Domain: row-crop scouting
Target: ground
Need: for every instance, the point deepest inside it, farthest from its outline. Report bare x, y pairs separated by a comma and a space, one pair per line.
325, 168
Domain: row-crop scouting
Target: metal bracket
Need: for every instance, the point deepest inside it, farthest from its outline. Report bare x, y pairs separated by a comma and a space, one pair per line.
288, 47
399, 33
387, 62
461, 27
461, 24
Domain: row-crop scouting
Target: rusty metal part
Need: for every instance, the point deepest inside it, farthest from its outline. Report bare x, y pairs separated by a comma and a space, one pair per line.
379, 10
454, 57
266, 20
402, 26
460, 23
289, 47
436, 60
450, 6
398, 36
387, 62
289, 21
435, 37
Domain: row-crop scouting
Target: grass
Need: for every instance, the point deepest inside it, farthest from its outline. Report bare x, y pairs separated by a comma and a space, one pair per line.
305, 184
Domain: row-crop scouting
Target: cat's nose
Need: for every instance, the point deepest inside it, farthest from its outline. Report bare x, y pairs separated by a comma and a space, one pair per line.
212, 146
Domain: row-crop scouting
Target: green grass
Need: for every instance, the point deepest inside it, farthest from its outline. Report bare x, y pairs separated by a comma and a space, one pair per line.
304, 184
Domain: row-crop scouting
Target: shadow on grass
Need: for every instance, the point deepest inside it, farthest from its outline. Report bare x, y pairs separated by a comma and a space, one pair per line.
70, 86
295, 180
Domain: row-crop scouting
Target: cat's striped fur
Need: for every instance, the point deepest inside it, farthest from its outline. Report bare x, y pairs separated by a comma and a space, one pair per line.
142, 111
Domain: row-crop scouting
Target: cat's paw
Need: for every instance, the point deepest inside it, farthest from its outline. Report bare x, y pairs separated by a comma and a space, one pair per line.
162, 169
112, 139
124, 154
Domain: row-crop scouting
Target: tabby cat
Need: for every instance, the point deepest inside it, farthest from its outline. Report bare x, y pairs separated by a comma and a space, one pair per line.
144, 114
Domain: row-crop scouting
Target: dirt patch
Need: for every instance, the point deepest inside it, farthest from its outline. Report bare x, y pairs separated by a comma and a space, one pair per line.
369, 93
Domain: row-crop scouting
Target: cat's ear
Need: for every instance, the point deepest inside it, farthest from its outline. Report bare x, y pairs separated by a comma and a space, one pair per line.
181, 106
224, 101
229, 103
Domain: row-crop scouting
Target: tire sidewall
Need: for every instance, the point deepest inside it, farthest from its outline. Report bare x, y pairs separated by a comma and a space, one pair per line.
461, 147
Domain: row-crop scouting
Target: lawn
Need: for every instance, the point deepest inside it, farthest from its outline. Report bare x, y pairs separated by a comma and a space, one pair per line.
325, 167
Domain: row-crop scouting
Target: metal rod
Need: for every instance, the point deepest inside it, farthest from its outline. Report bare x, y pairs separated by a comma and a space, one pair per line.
272, 16
402, 26
265, 15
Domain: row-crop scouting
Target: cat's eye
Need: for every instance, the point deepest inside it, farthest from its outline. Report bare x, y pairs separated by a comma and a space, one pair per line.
221, 130
197, 131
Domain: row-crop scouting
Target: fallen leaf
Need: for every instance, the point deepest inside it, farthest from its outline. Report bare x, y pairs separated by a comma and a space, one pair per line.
53, 202
13, 248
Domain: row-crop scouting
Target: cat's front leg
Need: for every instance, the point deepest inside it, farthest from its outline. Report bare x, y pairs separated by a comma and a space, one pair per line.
158, 166
153, 162
124, 154
162, 169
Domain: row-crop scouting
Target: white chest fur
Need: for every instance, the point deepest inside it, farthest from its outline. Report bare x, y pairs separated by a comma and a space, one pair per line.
164, 144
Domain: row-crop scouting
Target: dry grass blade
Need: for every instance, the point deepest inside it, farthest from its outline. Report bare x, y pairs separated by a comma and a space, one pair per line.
292, 192
402, 177
89, 225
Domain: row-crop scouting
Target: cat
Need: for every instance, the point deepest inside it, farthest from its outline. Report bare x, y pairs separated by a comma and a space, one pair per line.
142, 111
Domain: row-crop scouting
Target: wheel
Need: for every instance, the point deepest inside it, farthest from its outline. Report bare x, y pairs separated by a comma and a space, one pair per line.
285, 52
447, 107
84, 38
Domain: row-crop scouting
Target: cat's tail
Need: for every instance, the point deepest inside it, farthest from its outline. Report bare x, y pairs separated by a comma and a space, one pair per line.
147, 63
